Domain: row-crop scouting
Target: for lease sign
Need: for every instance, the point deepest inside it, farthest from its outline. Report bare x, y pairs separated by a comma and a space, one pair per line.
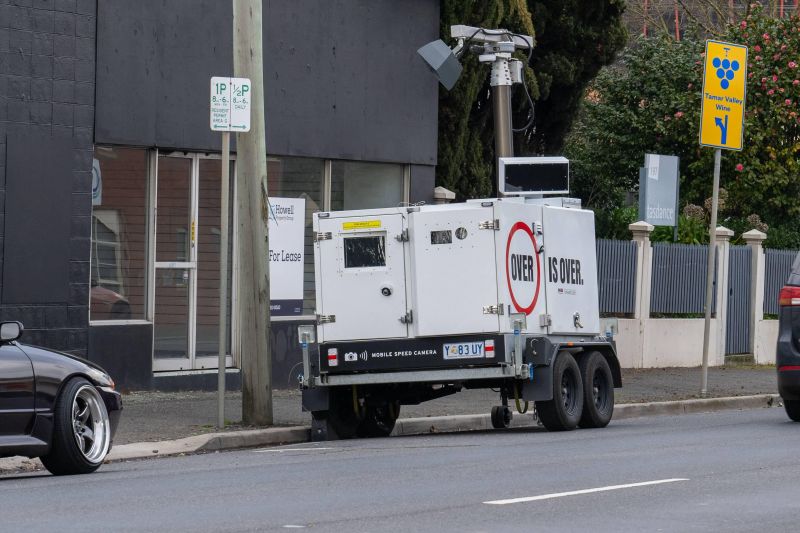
287, 224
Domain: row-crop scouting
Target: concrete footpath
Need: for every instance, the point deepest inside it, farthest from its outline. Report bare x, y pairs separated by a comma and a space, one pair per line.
157, 423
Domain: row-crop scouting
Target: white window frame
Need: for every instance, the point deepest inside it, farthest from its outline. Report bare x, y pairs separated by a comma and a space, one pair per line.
196, 364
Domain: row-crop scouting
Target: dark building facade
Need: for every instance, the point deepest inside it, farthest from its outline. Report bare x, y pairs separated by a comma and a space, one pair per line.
110, 175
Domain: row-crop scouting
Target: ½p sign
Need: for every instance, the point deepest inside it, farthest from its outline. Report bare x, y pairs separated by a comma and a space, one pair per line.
724, 91
230, 104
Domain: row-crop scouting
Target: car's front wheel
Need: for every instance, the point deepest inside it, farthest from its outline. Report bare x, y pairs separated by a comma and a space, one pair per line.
81, 430
792, 409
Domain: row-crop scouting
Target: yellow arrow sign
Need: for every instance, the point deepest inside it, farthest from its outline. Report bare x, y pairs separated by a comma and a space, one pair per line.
724, 91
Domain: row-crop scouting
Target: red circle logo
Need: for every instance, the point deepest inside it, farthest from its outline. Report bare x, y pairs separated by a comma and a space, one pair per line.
523, 270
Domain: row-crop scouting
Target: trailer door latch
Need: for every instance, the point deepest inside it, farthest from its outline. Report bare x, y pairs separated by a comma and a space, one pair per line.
407, 318
322, 236
326, 319
490, 224
493, 309
403, 236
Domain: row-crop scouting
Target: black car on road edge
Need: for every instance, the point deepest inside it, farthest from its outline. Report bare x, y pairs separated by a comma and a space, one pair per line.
54, 406
787, 358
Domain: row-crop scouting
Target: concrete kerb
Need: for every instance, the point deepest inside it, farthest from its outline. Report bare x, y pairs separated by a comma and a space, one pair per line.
232, 440
680, 407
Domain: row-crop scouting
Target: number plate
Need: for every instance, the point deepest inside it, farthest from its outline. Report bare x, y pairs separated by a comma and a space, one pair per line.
464, 350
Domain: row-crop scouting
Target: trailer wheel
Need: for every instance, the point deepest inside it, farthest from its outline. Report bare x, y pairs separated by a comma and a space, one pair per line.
598, 391
501, 416
563, 412
339, 421
379, 420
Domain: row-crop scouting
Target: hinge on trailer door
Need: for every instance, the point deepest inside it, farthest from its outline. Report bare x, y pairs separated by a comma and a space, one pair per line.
322, 236
490, 224
545, 320
326, 319
407, 318
493, 309
403, 237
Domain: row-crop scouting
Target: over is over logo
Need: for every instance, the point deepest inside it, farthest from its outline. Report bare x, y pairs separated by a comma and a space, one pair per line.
523, 270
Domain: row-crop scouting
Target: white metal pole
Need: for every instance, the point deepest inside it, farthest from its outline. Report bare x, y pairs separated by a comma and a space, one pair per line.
712, 244
223, 277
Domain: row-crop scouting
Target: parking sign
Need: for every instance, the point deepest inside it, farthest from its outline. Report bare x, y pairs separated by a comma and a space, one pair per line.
230, 104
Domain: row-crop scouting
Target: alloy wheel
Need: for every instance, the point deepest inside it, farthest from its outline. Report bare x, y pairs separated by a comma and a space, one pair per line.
90, 425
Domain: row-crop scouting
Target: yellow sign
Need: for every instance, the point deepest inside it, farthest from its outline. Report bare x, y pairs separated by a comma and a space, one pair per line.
362, 224
724, 91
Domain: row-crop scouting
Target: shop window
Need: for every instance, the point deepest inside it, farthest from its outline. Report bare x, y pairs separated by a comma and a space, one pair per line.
119, 234
300, 177
358, 185
106, 267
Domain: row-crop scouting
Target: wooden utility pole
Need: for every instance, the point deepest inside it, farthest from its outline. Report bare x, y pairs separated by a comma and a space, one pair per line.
253, 211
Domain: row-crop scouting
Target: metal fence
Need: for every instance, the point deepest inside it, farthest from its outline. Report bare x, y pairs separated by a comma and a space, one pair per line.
616, 276
679, 279
737, 333
777, 266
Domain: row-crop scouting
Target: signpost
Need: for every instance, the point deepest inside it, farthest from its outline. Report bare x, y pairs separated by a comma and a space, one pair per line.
229, 111
721, 127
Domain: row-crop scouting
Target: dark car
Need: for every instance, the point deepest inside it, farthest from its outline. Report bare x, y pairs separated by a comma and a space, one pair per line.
54, 406
787, 358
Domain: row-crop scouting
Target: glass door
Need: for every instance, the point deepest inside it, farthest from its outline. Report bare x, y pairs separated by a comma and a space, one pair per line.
186, 289
207, 316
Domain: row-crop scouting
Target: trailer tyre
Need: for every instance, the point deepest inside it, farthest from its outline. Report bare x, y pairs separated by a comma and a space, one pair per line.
598, 391
501, 417
379, 420
563, 412
339, 421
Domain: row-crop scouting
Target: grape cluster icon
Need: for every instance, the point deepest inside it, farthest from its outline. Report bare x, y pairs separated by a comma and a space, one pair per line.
726, 70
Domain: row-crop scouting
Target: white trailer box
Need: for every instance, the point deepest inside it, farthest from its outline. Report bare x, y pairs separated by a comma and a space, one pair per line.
456, 269
415, 303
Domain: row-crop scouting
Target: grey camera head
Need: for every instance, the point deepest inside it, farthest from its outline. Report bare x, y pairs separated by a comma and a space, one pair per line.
443, 60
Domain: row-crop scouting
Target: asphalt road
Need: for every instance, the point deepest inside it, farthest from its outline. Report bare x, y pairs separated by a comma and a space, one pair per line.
726, 471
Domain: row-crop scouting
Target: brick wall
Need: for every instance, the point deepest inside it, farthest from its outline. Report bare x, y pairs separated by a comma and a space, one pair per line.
47, 73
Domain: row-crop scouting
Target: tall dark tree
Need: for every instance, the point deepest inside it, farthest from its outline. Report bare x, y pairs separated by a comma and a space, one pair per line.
574, 39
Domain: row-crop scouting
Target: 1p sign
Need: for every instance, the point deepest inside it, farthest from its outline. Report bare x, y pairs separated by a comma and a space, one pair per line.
230, 104
724, 84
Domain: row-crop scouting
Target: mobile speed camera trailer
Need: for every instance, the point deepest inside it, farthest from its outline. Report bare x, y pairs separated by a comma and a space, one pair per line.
418, 302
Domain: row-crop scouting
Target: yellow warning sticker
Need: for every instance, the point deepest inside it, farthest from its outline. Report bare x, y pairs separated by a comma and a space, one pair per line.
361, 224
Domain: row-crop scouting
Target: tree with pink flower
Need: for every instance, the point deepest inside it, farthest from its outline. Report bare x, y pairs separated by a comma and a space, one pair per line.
659, 79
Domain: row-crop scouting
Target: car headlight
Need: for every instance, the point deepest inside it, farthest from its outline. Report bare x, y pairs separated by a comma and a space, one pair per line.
101, 378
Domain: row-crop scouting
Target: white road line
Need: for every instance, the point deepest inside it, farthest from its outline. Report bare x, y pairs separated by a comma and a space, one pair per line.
273, 450
584, 491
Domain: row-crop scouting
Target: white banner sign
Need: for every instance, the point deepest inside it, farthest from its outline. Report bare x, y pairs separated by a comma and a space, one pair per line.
287, 223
